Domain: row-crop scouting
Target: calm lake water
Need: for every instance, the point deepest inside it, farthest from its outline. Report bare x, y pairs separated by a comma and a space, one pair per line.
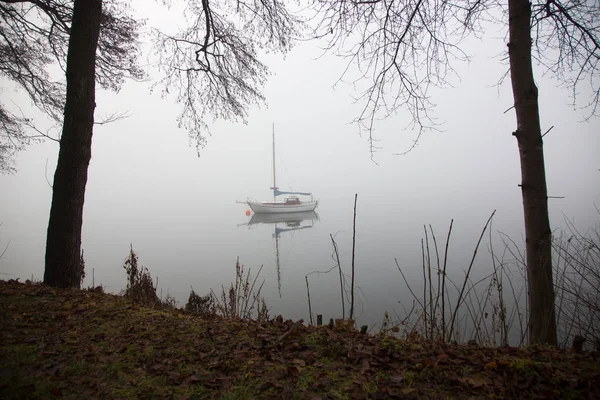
193, 242
200, 252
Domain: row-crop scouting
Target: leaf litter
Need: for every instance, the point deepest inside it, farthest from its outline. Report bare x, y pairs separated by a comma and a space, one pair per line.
74, 344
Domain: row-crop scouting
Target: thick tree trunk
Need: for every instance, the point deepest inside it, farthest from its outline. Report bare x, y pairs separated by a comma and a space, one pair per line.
542, 320
63, 243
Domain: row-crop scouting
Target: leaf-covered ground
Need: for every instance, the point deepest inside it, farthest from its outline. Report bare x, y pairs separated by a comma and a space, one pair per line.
84, 345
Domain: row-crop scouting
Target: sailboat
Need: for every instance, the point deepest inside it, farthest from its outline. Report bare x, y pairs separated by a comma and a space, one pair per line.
291, 204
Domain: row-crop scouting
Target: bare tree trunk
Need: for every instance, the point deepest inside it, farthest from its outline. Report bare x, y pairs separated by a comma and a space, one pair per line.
63, 243
542, 319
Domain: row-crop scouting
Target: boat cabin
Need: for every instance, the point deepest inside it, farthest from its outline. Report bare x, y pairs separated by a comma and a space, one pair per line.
294, 200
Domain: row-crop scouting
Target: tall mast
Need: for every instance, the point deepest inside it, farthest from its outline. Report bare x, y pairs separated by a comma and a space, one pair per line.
274, 180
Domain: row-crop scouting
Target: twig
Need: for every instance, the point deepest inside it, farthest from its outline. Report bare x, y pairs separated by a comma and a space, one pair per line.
467, 276
552, 127
437, 256
353, 247
337, 259
431, 315
252, 288
5, 248
407, 285
46, 174
424, 287
112, 118
444, 283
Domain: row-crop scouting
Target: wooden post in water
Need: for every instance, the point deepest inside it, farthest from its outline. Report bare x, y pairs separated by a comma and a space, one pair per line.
319, 319
309, 307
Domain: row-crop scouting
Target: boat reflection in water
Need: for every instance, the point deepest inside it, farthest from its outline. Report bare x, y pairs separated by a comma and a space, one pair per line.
282, 223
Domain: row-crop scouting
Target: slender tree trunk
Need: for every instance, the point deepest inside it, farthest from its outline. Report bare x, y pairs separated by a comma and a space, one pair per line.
63, 243
542, 319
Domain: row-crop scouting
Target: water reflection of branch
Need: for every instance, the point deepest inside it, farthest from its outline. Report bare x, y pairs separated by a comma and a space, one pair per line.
278, 278
277, 265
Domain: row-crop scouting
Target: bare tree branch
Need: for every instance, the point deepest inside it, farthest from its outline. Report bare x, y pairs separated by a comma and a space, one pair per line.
398, 50
34, 35
213, 67
401, 49
568, 45
117, 116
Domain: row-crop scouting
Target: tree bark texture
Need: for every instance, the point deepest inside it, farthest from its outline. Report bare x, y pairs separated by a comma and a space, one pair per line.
542, 319
63, 243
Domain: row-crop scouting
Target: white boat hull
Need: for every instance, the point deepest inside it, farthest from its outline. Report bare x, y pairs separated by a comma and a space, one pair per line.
279, 208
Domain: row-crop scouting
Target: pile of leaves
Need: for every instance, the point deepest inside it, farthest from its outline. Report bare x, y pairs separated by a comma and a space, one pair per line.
83, 344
